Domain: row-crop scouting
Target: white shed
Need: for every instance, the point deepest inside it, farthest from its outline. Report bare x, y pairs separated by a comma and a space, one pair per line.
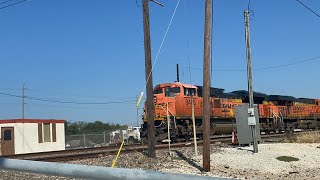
20, 136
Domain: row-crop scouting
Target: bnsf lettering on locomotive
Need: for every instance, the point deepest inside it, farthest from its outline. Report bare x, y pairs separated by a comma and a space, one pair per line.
230, 106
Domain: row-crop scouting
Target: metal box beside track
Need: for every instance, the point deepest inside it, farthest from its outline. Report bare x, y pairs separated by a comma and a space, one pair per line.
243, 129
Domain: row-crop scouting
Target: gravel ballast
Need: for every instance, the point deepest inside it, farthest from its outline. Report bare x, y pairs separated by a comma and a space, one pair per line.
233, 162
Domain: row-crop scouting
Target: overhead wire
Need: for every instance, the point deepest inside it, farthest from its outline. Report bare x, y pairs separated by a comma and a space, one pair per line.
264, 68
188, 52
138, 4
69, 107
4, 2
189, 62
13, 4
308, 8
63, 94
251, 12
67, 102
161, 45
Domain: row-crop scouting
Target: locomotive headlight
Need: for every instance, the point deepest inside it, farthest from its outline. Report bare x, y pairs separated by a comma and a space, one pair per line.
154, 99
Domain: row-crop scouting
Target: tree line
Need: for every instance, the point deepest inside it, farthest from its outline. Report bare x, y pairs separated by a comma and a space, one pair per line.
81, 127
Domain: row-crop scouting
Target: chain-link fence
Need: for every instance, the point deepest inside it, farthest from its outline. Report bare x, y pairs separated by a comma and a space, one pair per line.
87, 140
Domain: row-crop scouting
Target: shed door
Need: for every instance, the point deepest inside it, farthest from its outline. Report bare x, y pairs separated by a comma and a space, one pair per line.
7, 141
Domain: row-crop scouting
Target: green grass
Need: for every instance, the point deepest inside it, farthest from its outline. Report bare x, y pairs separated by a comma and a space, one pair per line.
287, 158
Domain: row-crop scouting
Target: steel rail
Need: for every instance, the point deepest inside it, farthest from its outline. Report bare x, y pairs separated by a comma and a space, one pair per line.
75, 154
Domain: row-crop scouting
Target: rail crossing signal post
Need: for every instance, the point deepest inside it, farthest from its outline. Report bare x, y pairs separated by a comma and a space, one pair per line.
206, 87
251, 119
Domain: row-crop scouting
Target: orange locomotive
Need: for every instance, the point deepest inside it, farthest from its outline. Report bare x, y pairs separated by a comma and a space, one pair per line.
277, 113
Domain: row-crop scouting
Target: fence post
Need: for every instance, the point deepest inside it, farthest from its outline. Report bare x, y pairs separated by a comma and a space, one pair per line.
104, 137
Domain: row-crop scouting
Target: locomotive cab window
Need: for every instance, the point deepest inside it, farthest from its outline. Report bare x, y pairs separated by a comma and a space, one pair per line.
171, 92
157, 91
189, 91
317, 103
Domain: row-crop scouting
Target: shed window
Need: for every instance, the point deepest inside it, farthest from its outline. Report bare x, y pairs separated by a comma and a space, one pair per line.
54, 132
40, 133
7, 135
46, 132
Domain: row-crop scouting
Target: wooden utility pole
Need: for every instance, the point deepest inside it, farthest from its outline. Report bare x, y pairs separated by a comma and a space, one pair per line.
149, 86
206, 87
22, 97
251, 120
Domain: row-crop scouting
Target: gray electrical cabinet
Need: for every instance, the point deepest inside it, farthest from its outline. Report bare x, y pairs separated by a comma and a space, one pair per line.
243, 129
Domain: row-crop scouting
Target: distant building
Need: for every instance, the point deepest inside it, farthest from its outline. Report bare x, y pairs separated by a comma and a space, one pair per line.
20, 136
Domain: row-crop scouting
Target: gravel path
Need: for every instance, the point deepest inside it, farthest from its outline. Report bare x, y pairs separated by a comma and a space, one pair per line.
265, 160
237, 162
13, 175
240, 162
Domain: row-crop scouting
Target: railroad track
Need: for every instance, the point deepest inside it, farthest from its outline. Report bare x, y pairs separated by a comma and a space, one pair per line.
85, 153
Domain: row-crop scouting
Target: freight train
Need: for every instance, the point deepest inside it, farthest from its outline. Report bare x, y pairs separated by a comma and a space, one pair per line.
277, 113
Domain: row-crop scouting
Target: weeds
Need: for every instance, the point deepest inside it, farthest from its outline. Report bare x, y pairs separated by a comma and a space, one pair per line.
308, 137
287, 158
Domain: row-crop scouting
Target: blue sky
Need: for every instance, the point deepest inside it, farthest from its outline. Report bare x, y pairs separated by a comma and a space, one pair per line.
92, 51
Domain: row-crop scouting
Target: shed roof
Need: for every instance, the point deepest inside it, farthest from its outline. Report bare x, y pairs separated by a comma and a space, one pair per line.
5, 121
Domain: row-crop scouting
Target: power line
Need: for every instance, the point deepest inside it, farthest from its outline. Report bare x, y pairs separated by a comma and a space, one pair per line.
13, 4
40, 105
6, 2
308, 8
162, 42
250, 10
10, 89
64, 94
138, 4
263, 68
67, 102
